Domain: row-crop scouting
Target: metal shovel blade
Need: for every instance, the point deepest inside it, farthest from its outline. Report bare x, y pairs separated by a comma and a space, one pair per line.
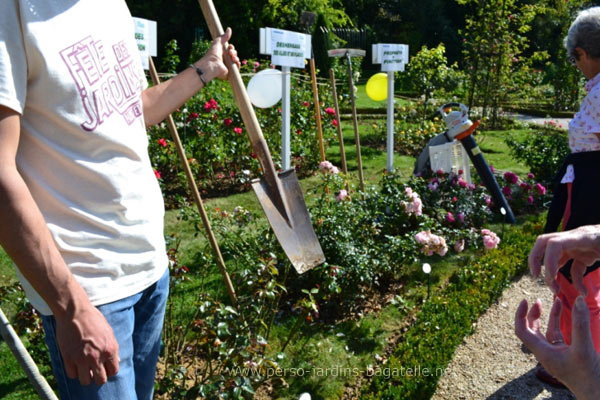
296, 235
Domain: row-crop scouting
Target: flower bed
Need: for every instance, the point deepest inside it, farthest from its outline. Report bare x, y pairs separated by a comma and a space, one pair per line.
369, 240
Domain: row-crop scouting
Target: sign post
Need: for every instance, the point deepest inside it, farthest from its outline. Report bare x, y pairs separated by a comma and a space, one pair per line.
287, 49
392, 57
145, 36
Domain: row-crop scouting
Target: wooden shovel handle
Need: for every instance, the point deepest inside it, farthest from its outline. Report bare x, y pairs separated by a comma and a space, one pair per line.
241, 96
196, 194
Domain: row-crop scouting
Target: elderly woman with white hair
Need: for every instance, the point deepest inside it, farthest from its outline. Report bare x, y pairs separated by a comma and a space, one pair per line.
577, 186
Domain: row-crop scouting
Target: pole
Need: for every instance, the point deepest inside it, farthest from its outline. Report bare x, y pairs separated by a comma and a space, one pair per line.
390, 122
196, 194
285, 122
313, 78
355, 123
339, 122
486, 175
20, 352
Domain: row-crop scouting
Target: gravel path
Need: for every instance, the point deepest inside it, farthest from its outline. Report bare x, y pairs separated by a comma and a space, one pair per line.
492, 364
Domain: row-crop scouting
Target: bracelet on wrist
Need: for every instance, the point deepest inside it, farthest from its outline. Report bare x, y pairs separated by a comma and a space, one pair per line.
199, 72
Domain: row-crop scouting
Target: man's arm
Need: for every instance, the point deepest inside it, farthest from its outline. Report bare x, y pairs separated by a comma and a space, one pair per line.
161, 100
86, 341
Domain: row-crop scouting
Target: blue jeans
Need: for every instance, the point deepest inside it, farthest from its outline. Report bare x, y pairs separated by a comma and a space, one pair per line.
137, 323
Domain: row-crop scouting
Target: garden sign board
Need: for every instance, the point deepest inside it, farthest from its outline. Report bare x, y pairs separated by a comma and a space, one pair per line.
392, 57
289, 50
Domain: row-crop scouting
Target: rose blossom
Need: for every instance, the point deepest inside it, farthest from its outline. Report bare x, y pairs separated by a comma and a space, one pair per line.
511, 177
341, 195
326, 166
415, 206
490, 239
459, 245
431, 243
540, 188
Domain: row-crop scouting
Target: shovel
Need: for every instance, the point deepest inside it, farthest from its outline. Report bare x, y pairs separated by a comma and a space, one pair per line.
279, 194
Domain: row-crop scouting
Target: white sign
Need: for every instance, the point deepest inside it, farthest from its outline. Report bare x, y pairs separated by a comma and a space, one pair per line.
392, 57
145, 37
287, 48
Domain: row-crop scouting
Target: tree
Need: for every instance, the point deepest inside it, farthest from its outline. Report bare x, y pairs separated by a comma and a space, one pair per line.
550, 27
428, 70
494, 38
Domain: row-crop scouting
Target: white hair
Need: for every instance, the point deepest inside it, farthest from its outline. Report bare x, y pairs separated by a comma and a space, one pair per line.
585, 33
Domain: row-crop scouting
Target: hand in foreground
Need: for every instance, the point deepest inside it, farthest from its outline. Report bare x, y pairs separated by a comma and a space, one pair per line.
577, 365
88, 346
555, 249
213, 59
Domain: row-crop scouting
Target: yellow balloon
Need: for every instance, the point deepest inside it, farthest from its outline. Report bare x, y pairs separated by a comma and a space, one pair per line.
377, 87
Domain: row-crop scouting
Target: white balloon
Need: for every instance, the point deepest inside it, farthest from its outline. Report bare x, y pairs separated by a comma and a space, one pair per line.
264, 88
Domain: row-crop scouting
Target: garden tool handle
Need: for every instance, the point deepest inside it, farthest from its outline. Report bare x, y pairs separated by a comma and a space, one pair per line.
196, 193
241, 96
441, 111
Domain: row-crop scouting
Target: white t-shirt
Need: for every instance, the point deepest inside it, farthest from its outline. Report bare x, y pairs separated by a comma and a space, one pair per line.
71, 68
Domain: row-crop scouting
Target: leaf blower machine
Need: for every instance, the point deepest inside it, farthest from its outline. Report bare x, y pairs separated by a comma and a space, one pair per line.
461, 128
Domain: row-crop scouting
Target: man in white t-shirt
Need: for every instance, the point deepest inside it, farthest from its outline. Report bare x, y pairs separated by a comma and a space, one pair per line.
83, 217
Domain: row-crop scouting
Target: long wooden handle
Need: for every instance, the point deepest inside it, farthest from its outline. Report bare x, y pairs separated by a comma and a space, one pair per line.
196, 194
313, 78
259, 144
239, 93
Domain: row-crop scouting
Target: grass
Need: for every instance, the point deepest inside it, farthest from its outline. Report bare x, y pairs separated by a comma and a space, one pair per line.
348, 346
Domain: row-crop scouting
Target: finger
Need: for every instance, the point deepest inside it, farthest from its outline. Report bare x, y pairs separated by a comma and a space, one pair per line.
112, 366
70, 369
83, 373
521, 320
99, 375
578, 269
536, 343
533, 316
226, 36
551, 282
537, 255
554, 251
581, 337
553, 333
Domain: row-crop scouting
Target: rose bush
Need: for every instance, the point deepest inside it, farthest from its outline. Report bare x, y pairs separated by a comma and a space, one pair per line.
216, 142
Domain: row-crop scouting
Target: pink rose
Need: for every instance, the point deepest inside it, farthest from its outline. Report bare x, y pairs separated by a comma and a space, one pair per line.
341, 195
459, 245
162, 142
541, 189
